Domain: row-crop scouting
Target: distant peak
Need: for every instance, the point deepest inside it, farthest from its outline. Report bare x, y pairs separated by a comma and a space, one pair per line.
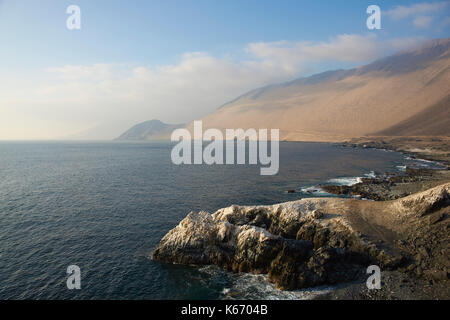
154, 121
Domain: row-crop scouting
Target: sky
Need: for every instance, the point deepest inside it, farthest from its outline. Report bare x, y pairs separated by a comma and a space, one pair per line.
178, 60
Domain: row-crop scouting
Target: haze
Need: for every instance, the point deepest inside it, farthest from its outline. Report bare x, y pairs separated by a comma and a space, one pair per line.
178, 62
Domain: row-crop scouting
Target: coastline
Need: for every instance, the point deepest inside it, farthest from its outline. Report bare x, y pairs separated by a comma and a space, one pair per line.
389, 186
432, 155
414, 256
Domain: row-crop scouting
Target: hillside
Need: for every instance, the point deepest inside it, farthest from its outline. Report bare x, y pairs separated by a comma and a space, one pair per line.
433, 121
404, 94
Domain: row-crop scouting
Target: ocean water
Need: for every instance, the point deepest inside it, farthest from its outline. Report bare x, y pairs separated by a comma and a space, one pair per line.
104, 206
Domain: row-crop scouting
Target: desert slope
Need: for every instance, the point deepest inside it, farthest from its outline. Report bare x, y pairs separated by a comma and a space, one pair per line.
433, 121
388, 95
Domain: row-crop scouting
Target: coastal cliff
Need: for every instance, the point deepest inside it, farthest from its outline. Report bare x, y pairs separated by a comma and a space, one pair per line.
318, 241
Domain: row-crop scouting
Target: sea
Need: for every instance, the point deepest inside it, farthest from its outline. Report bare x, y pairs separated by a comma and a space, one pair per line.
104, 206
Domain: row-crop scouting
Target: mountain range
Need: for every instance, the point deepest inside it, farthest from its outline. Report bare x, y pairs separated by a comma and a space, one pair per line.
407, 94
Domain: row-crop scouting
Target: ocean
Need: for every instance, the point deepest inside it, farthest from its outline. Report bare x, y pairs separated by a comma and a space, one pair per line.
104, 206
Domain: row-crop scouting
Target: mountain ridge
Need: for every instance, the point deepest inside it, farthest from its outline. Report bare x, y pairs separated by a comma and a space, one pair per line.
403, 94
342, 104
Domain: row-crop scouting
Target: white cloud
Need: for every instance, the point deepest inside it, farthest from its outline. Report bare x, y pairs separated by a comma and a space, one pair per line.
422, 14
401, 12
343, 48
65, 100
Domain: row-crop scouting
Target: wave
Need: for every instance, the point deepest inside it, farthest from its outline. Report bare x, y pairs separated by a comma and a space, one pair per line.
422, 163
246, 286
314, 190
350, 181
345, 181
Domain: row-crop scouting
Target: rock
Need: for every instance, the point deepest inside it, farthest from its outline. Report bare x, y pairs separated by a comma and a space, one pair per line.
226, 239
423, 252
336, 189
436, 274
381, 187
316, 214
423, 203
290, 191
435, 218
303, 243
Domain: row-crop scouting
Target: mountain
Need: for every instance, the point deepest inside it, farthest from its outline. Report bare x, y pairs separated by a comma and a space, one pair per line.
149, 130
433, 121
404, 94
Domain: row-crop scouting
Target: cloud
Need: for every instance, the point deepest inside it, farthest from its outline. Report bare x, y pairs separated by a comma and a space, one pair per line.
422, 21
402, 44
422, 14
349, 48
401, 12
94, 72
111, 97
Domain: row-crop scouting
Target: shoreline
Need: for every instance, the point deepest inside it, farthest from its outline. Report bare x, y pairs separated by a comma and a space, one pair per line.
390, 186
394, 185
436, 149
410, 243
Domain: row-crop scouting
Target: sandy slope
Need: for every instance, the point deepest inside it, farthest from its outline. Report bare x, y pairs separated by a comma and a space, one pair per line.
404, 94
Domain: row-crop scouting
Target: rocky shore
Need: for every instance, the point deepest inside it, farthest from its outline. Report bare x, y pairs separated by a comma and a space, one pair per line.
394, 185
331, 241
428, 148
391, 186
428, 244
319, 241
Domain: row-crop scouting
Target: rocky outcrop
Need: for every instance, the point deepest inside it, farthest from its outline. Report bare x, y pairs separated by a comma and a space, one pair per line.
389, 186
303, 243
425, 202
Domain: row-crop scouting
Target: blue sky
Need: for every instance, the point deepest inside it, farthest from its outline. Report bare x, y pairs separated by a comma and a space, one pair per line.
156, 32
233, 45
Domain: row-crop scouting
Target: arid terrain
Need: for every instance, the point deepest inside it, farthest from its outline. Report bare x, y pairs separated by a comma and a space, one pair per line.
416, 282
406, 94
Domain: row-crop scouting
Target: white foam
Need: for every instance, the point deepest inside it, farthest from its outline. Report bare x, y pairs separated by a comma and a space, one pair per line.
246, 286
371, 174
314, 190
350, 181
256, 287
426, 163
346, 181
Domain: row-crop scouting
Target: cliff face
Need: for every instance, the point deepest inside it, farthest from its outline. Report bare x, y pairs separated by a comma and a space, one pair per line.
308, 242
